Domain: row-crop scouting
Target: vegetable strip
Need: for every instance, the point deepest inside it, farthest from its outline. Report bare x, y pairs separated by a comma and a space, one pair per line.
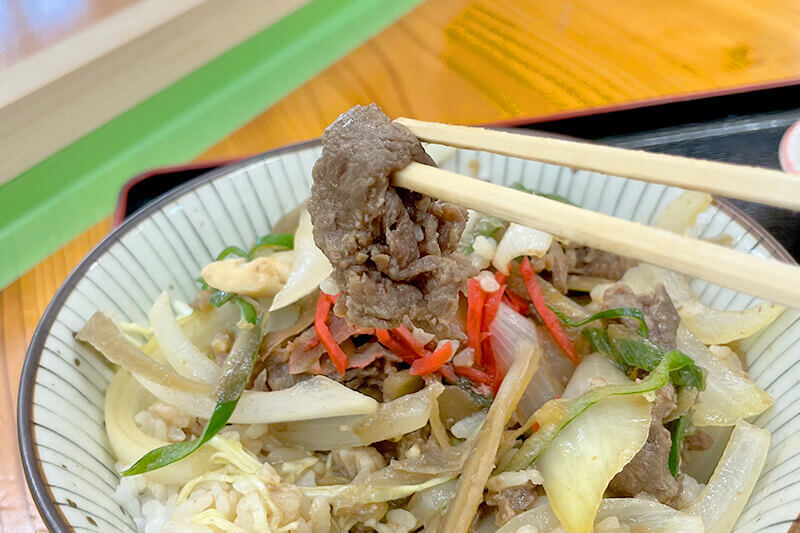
475, 299
433, 361
473, 374
556, 414
401, 351
618, 312
491, 307
227, 391
410, 340
679, 429
517, 303
549, 318
337, 355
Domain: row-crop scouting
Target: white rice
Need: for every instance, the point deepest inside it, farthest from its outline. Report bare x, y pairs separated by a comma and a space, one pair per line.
268, 500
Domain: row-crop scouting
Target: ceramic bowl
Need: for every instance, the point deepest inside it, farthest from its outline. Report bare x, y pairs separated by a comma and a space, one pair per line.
65, 451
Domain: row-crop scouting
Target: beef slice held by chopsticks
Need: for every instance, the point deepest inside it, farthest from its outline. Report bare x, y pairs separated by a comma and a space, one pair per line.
392, 250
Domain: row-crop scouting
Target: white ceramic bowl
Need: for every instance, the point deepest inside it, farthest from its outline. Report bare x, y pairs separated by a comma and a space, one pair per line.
65, 452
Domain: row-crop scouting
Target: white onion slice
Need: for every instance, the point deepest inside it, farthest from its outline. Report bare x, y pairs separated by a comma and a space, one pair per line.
520, 241
398, 417
711, 326
178, 351
124, 399
311, 267
637, 513
727, 492
729, 394
318, 397
509, 330
584, 457
320, 435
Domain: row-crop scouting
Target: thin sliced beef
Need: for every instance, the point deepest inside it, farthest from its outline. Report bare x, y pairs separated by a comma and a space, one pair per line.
557, 263
393, 250
306, 350
511, 501
659, 312
562, 260
648, 472
593, 262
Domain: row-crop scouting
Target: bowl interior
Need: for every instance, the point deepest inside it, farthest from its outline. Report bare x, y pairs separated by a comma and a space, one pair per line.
66, 454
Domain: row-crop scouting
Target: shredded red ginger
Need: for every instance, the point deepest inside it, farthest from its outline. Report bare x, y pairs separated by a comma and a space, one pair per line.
549, 318
337, 355
434, 361
407, 347
475, 301
481, 311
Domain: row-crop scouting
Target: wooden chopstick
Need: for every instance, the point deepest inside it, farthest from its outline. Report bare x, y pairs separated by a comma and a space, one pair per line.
774, 281
736, 181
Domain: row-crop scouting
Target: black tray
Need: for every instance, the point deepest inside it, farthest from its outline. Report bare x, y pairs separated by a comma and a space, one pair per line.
740, 128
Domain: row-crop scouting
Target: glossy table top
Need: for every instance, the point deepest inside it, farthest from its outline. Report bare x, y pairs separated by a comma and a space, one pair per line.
464, 61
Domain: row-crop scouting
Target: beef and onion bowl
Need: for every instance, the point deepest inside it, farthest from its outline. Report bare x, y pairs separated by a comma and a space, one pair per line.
391, 362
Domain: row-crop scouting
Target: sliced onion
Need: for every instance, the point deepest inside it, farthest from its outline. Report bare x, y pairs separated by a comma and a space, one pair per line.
711, 326
428, 503
124, 399
729, 394
320, 435
201, 326
596, 369
398, 417
637, 513
311, 267
469, 425
179, 352
103, 334
391, 420
520, 241
579, 464
729, 488
562, 302
681, 213
721, 327
318, 397
700, 464
510, 330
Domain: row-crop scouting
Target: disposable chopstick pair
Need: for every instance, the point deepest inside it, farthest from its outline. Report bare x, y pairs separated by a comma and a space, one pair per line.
772, 280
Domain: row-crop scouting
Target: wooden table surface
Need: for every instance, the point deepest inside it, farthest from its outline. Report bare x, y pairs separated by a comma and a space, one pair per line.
464, 61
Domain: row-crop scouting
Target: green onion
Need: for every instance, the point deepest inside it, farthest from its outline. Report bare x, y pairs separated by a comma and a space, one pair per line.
565, 411
220, 298
619, 312
228, 390
599, 342
679, 429
271, 240
641, 353
275, 240
247, 309
631, 352
232, 250
550, 196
